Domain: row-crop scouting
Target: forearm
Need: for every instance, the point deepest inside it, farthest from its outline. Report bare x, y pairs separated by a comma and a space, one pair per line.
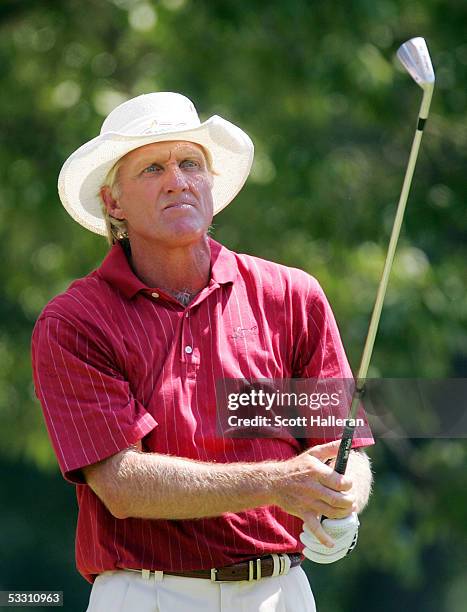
152, 486
134, 484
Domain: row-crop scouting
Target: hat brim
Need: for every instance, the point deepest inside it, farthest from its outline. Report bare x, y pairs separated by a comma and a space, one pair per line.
84, 172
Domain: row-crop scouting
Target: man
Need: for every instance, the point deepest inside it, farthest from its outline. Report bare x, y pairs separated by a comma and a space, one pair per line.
171, 514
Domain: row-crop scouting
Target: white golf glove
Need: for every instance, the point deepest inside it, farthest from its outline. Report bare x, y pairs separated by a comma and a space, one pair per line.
344, 532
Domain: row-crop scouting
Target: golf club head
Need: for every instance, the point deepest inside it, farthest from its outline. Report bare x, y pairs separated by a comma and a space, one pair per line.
415, 58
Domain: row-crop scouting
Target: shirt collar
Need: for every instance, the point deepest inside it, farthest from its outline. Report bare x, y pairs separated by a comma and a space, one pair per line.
223, 264
116, 270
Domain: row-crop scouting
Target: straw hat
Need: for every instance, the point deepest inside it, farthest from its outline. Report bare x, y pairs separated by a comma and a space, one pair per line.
154, 117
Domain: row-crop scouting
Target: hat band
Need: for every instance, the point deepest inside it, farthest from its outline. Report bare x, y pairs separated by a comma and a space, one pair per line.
151, 125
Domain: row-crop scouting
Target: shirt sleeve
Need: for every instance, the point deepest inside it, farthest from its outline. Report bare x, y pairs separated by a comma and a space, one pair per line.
89, 410
321, 362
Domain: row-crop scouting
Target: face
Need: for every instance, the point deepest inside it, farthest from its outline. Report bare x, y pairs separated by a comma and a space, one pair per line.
164, 194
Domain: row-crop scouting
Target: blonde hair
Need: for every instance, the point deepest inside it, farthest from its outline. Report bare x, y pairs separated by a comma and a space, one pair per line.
117, 230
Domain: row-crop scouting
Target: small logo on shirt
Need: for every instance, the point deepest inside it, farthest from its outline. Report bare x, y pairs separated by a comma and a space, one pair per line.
244, 332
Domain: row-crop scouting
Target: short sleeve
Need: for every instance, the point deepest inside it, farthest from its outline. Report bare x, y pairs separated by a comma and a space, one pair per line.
319, 354
88, 407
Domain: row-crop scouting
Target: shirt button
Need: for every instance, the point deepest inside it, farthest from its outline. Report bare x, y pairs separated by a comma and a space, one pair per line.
188, 350
186, 315
155, 295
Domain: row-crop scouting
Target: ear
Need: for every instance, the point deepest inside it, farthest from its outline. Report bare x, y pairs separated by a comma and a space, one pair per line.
111, 204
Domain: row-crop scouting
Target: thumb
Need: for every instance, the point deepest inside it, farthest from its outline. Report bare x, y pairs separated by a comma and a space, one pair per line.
323, 452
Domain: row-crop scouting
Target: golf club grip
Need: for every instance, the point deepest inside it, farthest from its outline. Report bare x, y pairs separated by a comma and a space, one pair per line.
344, 449
343, 453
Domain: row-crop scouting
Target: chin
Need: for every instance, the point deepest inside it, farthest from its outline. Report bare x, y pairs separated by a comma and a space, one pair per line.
186, 231
180, 238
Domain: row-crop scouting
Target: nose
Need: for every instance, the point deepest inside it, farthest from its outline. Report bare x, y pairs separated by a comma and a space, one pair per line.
175, 180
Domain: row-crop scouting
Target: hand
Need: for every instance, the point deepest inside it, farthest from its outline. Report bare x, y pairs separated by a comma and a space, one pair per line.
308, 488
344, 532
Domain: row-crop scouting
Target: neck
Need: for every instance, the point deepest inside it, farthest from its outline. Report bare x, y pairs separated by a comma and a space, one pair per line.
181, 271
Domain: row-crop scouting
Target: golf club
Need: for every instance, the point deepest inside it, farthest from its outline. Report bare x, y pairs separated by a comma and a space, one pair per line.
415, 58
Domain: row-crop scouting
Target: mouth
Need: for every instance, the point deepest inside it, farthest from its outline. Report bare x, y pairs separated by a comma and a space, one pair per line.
178, 205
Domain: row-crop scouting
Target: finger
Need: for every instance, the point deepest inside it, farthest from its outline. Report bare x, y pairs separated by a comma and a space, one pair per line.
336, 499
323, 452
341, 545
328, 511
348, 523
319, 557
314, 525
309, 540
332, 480
326, 474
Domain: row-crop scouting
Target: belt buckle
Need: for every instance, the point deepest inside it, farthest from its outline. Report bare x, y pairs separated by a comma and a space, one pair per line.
251, 570
282, 564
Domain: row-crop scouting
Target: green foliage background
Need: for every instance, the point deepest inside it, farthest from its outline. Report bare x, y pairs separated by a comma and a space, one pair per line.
317, 86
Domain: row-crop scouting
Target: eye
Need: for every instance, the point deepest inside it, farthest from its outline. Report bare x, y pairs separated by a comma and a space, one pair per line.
190, 163
152, 169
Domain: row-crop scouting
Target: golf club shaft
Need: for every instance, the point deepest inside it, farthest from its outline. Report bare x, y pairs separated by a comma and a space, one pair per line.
348, 433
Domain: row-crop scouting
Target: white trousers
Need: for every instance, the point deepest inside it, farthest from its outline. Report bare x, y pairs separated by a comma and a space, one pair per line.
122, 591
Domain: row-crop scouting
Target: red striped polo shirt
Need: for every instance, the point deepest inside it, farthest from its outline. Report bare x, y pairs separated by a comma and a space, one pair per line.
116, 361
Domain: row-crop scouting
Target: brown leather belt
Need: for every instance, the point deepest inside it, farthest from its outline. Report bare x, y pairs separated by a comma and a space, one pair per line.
254, 569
